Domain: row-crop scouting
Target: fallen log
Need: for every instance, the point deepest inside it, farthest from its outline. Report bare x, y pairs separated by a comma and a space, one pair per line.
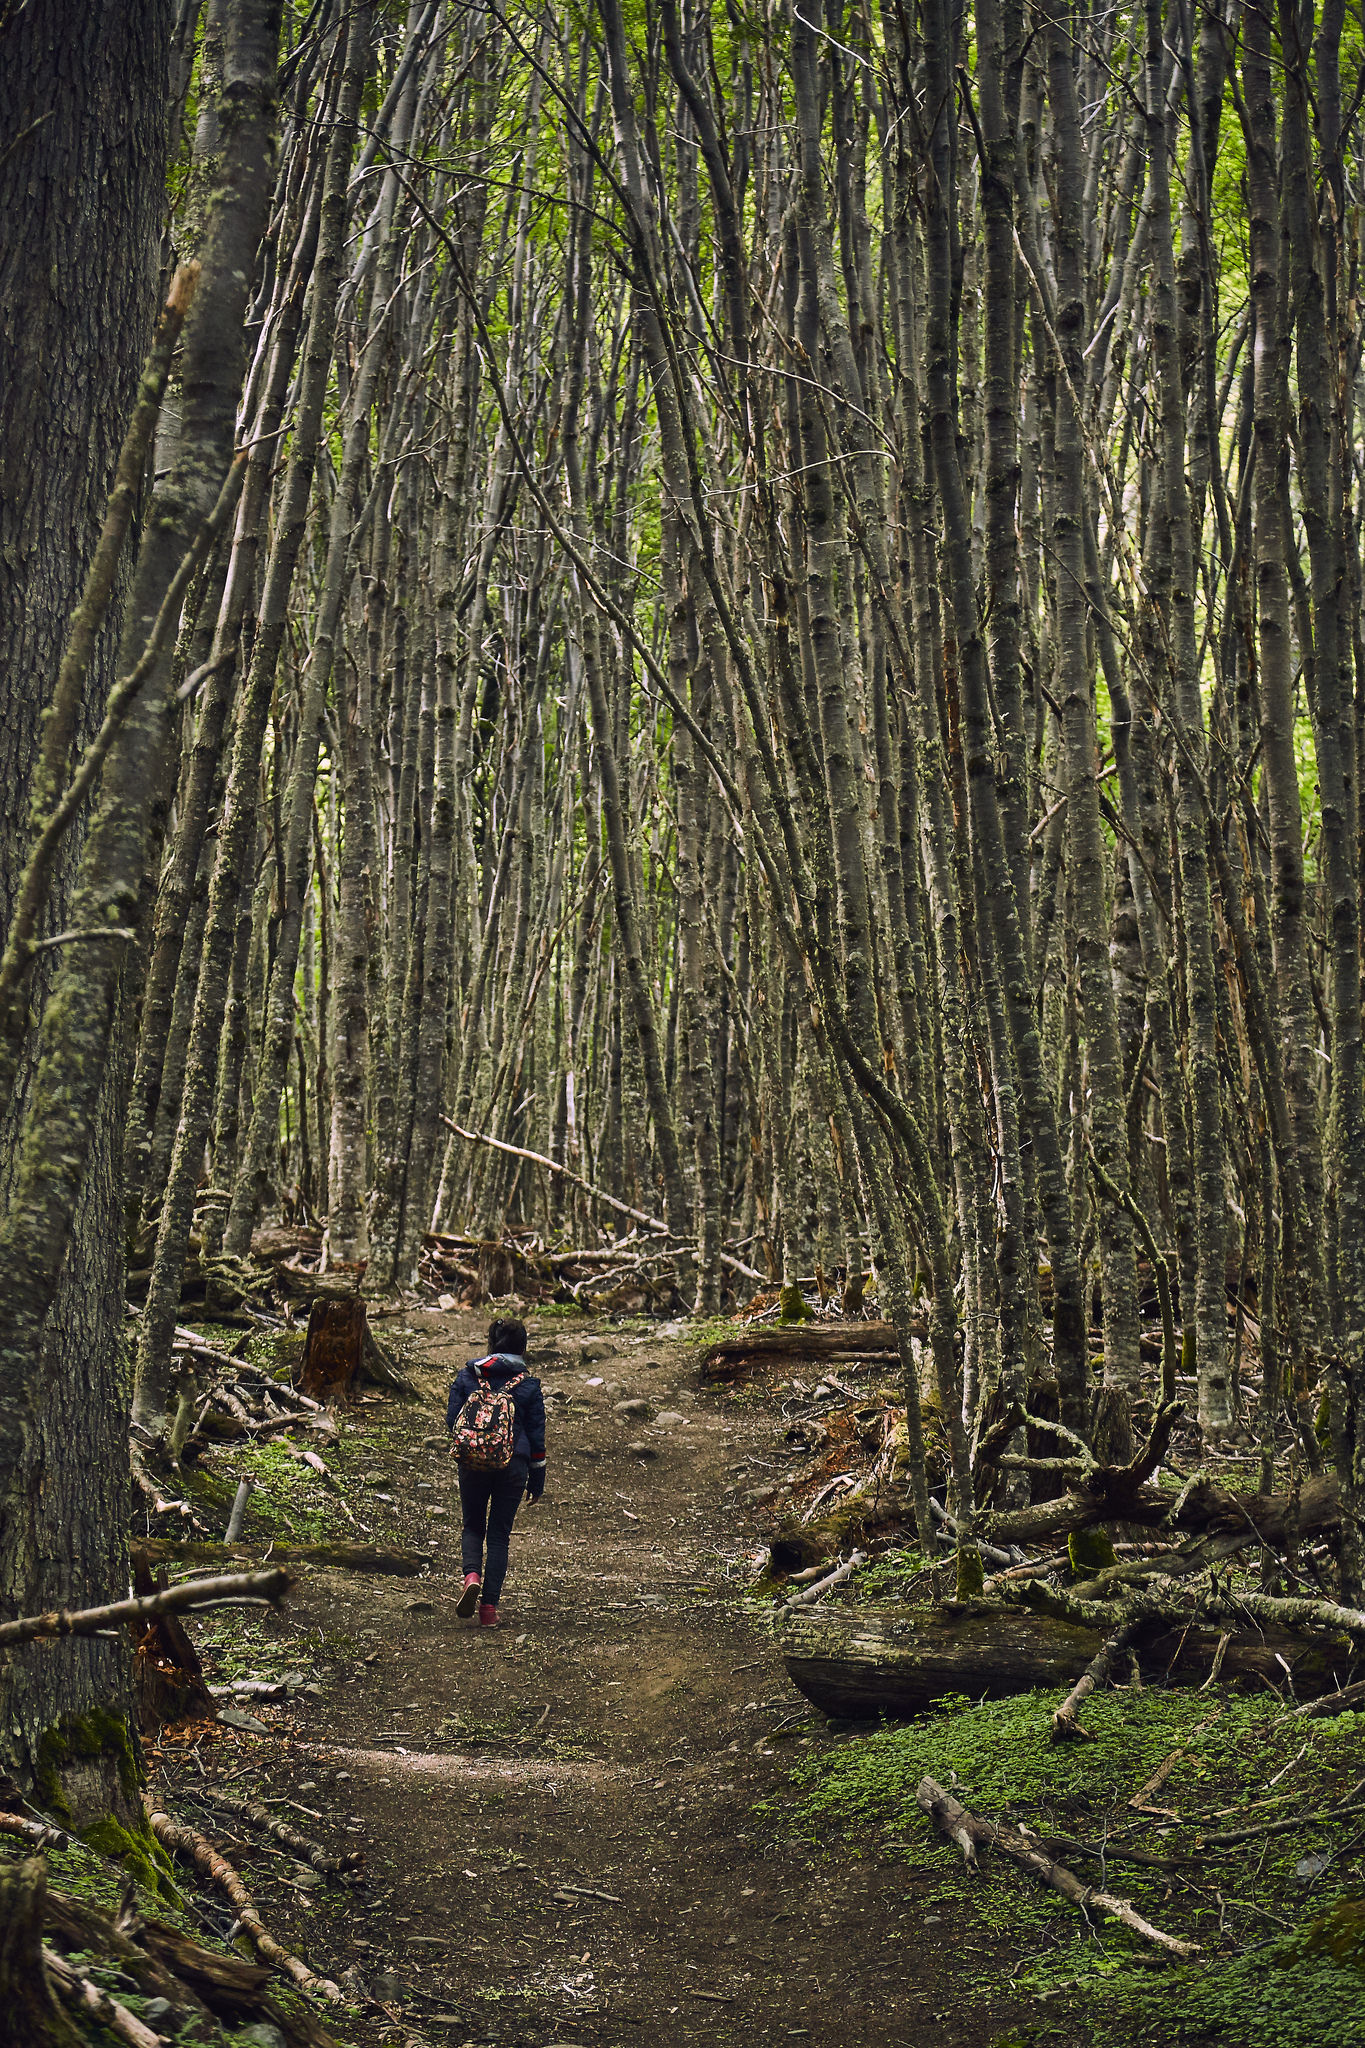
93, 2002
797, 1344
859, 1518
1116, 1493
897, 1660
165, 1963
345, 1557
31, 2013
39, 1834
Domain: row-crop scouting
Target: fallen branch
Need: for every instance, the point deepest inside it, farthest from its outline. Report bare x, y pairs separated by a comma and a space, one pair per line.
307, 1851
595, 1194
1118, 1493
825, 1585
346, 1557
1346, 1701
88, 1621
1154, 1784
947, 1531
92, 2002
962, 1827
1293, 1614
1065, 1726
200, 1851
39, 1832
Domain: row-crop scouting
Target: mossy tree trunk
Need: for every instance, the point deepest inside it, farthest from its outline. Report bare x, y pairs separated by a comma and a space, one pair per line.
83, 96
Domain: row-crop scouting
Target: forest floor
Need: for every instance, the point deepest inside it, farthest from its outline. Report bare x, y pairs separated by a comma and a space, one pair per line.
585, 1827
615, 1822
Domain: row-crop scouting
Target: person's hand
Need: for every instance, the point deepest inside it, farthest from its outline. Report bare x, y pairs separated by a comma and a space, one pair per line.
535, 1484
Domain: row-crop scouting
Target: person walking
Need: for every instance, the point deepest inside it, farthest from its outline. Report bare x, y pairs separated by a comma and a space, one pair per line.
496, 1419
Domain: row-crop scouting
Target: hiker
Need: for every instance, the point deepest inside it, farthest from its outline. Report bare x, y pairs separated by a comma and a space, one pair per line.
496, 1419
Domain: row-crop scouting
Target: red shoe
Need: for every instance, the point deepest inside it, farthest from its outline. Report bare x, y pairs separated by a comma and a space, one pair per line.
488, 1616
469, 1599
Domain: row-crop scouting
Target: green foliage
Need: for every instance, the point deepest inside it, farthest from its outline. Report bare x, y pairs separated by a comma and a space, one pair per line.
1287, 1994
999, 1755
888, 1577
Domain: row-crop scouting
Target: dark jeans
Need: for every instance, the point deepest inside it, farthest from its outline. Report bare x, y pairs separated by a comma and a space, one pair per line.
490, 1501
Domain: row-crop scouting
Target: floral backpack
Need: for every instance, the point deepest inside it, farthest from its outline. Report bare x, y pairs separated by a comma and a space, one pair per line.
485, 1436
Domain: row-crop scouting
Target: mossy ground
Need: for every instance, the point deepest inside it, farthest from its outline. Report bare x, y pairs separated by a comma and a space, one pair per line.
1282, 1932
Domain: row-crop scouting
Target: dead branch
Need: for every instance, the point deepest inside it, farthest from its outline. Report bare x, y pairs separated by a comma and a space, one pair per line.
94, 2003
956, 1822
321, 1859
187, 1842
1346, 1701
346, 1557
594, 1194
88, 1621
39, 1832
1065, 1726
818, 1591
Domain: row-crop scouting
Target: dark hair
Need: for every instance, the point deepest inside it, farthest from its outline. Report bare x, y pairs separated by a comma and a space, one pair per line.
509, 1336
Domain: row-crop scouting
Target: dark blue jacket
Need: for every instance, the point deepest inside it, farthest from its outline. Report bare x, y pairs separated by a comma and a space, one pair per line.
527, 1399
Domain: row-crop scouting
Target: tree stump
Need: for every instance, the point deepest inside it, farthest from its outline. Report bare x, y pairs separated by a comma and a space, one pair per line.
335, 1349
31, 2013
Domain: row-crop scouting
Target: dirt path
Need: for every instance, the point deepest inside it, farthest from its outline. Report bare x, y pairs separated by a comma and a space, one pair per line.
560, 1818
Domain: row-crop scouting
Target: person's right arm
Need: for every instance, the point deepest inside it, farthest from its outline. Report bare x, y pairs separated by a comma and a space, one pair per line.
535, 1433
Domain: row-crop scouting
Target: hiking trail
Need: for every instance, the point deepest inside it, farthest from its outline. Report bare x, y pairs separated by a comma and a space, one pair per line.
559, 1816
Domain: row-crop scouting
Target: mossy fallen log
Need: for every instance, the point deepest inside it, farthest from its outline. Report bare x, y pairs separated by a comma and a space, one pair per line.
797, 1344
346, 1557
898, 1660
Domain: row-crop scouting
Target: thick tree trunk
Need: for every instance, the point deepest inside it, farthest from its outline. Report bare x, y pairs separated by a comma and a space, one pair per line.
82, 101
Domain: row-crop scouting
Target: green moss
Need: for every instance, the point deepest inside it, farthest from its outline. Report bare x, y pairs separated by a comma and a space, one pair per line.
792, 1305
888, 1576
208, 1491
78, 1738
138, 1850
1339, 1933
971, 1572
100, 1735
1090, 1550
